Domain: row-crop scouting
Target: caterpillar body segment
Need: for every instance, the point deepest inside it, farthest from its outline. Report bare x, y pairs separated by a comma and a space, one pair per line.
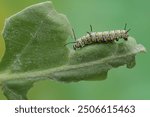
101, 37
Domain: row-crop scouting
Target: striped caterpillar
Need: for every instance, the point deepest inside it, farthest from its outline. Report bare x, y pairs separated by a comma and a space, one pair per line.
100, 37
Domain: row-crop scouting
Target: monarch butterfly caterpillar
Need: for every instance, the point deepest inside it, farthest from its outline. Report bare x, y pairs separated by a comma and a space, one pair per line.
100, 37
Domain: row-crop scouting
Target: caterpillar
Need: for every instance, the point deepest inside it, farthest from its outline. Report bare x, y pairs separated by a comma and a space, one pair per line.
100, 37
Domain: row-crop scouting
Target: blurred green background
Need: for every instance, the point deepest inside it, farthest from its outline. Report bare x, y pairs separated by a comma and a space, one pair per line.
122, 83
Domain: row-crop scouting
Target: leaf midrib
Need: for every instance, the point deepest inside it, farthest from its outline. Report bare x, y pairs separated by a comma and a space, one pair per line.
45, 74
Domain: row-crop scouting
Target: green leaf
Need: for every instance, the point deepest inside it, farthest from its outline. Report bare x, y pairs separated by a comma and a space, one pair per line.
35, 39
16, 89
94, 61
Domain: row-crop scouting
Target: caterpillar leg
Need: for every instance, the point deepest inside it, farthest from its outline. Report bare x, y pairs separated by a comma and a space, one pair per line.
117, 39
74, 47
125, 39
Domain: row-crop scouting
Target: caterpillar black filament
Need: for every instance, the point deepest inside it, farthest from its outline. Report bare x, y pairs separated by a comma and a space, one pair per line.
100, 37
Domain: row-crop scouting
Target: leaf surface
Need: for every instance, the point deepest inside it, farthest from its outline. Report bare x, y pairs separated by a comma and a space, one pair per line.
35, 39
